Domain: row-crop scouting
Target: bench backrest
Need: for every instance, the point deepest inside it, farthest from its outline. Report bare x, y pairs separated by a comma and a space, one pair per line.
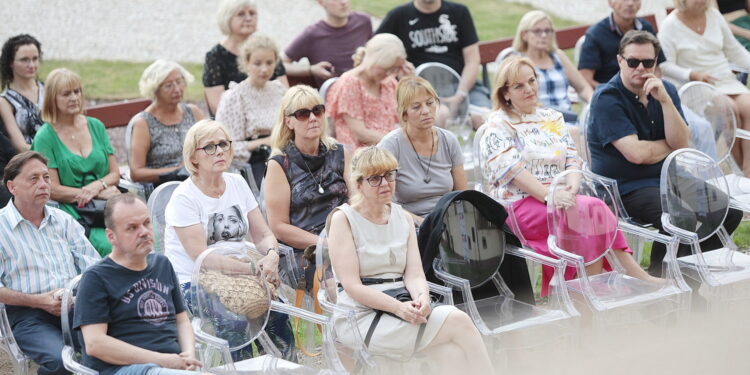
117, 114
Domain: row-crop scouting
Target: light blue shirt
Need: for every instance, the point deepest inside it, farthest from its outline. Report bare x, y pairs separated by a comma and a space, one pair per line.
38, 260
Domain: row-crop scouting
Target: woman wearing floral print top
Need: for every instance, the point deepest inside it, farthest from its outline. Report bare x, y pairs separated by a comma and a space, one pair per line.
525, 147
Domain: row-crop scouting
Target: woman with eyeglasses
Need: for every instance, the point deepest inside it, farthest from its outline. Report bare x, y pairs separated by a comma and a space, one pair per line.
699, 46
82, 164
249, 109
373, 248
159, 131
207, 196
524, 148
362, 102
535, 39
307, 172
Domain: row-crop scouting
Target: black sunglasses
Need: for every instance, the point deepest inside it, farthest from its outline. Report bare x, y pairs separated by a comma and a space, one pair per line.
304, 113
633, 63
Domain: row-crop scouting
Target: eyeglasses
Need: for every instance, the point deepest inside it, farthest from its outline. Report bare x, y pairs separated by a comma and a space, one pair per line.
633, 63
170, 86
542, 32
210, 148
376, 180
304, 113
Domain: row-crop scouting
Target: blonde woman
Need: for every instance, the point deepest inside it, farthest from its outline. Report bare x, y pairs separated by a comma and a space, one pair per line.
237, 19
362, 103
159, 131
373, 248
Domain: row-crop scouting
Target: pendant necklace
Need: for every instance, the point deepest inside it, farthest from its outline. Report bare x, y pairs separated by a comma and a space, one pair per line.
427, 177
320, 187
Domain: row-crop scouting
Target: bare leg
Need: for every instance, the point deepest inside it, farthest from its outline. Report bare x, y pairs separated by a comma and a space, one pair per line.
632, 268
742, 109
595, 268
459, 333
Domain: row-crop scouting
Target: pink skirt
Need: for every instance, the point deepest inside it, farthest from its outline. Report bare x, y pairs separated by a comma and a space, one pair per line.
531, 216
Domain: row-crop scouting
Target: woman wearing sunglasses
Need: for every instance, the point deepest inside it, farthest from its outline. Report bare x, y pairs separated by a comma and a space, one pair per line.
373, 249
307, 171
699, 46
211, 194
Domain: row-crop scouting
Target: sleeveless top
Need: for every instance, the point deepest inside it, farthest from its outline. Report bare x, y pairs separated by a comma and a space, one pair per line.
553, 86
727, 6
308, 208
166, 140
27, 114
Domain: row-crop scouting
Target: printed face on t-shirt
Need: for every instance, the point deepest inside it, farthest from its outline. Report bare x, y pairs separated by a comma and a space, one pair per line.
226, 225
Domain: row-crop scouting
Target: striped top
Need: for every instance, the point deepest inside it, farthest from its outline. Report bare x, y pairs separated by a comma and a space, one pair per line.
538, 142
38, 260
553, 85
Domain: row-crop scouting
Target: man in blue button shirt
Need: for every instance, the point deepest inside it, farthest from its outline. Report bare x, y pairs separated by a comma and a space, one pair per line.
635, 123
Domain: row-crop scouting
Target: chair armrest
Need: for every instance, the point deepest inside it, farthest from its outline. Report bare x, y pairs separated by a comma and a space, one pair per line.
443, 291
68, 357
7, 339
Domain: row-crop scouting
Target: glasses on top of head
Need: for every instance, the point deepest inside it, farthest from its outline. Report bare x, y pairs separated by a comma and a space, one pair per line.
542, 32
210, 148
377, 179
633, 62
304, 113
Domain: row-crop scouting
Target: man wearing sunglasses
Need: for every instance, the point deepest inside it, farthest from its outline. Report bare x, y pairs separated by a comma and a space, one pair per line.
635, 123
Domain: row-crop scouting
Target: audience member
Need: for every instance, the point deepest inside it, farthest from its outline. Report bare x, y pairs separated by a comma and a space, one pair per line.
525, 148
307, 172
159, 131
362, 103
700, 47
735, 12
128, 307
636, 122
203, 211
238, 19
82, 163
597, 62
373, 250
441, 31
430, 159
248, 110
535, 39
329, 43
43, 248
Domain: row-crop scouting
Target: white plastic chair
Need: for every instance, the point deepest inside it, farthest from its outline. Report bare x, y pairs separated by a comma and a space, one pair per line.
694, 195
141, 189
8, 344
71, 353
157, 204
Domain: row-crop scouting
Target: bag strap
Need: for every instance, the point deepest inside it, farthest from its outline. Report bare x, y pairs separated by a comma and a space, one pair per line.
376, 320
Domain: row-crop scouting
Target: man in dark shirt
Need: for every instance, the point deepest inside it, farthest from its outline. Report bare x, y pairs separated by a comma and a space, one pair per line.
129, 307
635, 123
440, 31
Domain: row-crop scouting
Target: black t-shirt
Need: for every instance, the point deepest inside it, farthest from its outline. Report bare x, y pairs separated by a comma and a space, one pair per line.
221, 68
440, 36
139, 307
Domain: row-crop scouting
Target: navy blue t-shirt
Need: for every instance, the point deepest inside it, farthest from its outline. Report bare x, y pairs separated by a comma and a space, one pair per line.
616, 113
599, 50
139, 307
436, 37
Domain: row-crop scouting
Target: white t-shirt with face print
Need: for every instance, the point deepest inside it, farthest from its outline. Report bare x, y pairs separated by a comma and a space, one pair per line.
223, 219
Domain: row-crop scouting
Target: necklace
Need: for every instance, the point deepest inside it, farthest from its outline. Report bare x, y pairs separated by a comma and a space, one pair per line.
427, 177
320, 187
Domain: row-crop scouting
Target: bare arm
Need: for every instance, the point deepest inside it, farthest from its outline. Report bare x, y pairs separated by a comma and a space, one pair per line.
83, 195
264, 240
471, 67
525, 181
322, 70
140, 143
459, 178
278, 200
414, 278
44, 301
193, 240
642, 152
676, 132
582, 86
360, 132
11, 127
347, 171
185, 335
213, 96
588, 75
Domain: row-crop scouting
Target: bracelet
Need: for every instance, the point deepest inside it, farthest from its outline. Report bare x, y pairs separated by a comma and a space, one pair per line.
104, 184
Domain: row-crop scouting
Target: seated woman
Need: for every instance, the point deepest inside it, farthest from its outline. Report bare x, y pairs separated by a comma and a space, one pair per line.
249, 109
362, 102
736, 14
430, 158
373, 248
307, 172
238, 19
535, 39
82, 164
525, 147
159, 131
203, 212
699, 47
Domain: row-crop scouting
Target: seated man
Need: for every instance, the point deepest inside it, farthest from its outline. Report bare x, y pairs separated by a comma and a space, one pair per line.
42, 249
635, 123
129, 307
328, 44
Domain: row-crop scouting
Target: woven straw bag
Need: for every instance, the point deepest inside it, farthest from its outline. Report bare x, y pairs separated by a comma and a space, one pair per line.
242, 295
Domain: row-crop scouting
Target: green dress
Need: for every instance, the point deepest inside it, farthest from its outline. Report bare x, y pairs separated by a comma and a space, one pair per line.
77, 171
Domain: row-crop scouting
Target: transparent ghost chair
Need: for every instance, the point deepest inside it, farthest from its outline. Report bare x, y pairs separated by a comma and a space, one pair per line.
584, 233
695, 200
445, 80
351, 347
157, 205
10, 347
232, 308
72, 351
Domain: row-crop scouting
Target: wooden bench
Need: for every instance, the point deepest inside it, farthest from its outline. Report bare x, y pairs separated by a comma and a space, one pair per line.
566, 39
117, 114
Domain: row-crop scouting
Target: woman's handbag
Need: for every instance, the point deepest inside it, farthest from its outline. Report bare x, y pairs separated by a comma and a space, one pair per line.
91, 215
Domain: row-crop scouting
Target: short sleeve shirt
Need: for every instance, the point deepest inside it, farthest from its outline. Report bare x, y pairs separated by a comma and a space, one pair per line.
139, 307
436, 37
599, 50
221, 68
616, 113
